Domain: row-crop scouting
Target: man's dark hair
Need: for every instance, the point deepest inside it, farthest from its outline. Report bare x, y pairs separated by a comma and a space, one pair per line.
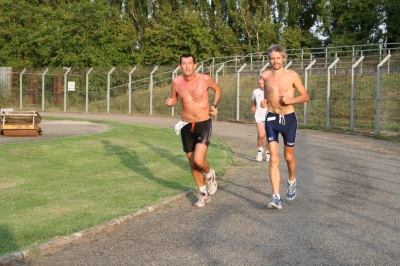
187, 56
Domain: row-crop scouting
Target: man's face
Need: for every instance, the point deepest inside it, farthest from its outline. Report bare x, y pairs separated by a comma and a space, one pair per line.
261, 84
187, 65
276, 60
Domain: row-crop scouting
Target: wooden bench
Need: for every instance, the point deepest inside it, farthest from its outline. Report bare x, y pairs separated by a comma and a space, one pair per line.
21, 123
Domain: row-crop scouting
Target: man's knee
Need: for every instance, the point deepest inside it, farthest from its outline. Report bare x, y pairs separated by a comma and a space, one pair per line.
199, 161
289, 157
274, 159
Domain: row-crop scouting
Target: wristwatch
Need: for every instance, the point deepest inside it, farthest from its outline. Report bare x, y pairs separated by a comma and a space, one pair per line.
215, 106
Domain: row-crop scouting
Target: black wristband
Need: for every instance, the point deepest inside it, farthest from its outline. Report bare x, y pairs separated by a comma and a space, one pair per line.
215, 106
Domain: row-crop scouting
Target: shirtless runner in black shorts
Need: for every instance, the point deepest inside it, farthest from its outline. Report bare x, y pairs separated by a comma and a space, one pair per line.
192, 90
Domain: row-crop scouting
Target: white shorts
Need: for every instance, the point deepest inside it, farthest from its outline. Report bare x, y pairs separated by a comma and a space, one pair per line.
259, 119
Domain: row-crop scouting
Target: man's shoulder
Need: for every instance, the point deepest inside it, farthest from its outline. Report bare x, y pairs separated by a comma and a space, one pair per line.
204, 76
292, 72
257, 91
178, 78
266, 73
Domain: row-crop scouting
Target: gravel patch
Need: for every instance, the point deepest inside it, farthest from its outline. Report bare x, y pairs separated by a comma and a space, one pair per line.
59, 129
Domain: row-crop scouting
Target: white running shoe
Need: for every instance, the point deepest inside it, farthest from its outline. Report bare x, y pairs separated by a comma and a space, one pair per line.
211, 183
259, 156
203, 200
275, 203
267, 156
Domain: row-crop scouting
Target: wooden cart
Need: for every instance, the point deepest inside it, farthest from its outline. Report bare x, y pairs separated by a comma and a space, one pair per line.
21, 123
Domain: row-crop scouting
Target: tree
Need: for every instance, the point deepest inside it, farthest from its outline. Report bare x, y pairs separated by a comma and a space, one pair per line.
171, 33
296, 20
392, 10
251, 21
352, 22
16, 27
91, 33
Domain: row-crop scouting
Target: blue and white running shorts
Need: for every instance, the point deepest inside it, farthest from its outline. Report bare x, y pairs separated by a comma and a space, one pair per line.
284, 124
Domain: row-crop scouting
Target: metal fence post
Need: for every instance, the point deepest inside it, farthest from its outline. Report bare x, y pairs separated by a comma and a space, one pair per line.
216, 77
20, 88
87, 89
328, 93
301, 62
238, 92
151, 89
130, 91
305, 85
378, 92
43, 74
65, 88
352, 92
201, 67
109, 89
218, 70
263, 68
212, 67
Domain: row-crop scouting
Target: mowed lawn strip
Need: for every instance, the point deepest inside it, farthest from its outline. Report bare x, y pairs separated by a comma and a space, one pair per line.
51, 188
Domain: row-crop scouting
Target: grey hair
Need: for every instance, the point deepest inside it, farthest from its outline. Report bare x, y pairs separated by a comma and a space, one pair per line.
277, 48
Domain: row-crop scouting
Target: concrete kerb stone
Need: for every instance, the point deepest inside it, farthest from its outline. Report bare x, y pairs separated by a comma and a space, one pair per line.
53, 244
9, 258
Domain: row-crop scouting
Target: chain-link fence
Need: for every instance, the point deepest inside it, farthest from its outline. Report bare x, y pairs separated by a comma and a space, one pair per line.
349, 88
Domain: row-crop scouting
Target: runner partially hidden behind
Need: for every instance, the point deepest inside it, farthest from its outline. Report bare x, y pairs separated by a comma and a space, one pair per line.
279, 93
259, 116
192, 90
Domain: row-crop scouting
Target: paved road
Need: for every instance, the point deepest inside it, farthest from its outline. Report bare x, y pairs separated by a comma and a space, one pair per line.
347, 211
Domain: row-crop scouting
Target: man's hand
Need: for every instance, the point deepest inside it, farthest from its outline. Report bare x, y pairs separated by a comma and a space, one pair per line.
287, 100
170, 102
253, 109
213, 111
264, 103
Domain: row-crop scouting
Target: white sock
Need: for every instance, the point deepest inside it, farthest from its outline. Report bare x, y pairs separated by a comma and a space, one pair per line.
277, 195
203, 189
292, 182
260, 149
209, 175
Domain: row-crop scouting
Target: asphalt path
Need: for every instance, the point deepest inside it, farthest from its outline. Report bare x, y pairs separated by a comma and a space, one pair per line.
347, 210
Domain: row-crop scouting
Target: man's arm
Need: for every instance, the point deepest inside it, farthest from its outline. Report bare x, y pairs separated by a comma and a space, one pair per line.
298, 85
217, 89
253, 105
218, 92
264, 103
173, 98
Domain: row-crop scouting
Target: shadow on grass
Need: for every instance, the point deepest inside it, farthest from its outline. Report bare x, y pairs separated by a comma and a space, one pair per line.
181, 163
7, 242
132, 160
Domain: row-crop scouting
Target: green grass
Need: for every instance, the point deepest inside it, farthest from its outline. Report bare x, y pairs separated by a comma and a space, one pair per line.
51, 188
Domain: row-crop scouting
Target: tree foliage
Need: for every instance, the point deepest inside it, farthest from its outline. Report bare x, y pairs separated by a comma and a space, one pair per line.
392, 10
87, 33
353, 22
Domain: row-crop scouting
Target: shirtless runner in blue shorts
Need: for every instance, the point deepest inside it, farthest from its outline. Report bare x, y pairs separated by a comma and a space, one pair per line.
279, 94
